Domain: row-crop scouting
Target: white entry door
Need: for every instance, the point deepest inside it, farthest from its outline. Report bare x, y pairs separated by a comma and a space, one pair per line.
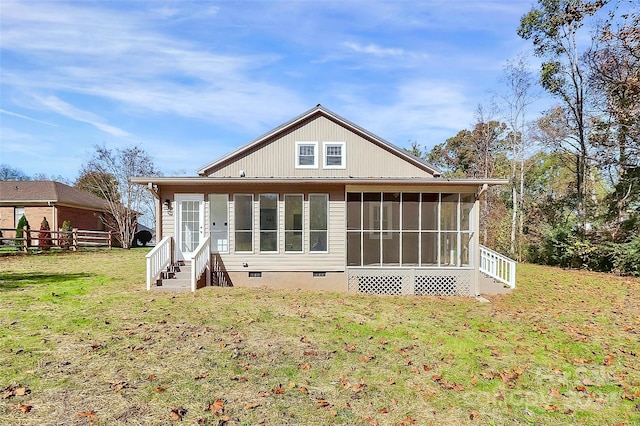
189, 223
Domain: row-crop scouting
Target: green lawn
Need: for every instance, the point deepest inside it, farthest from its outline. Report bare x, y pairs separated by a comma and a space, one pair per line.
83, 342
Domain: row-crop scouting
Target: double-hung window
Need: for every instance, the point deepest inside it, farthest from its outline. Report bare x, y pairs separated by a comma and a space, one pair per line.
268, 222
318, 222
306, 155
334, 155
293, 224
243, 208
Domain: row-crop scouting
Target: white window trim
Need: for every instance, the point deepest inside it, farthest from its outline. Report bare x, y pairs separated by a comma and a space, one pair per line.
315, 157
343, 151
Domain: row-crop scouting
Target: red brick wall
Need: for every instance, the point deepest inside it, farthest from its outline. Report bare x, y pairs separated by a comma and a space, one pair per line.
82, 219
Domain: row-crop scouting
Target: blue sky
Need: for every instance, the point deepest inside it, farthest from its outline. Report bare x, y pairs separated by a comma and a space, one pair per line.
188, 81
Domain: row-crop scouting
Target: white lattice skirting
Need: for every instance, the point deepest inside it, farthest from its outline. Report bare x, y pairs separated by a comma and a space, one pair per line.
421, 282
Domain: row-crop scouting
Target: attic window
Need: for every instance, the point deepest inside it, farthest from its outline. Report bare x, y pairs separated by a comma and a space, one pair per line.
334, 155
306, 155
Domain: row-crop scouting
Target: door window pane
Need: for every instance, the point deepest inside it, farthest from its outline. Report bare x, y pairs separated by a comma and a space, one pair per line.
189, 225
465, 253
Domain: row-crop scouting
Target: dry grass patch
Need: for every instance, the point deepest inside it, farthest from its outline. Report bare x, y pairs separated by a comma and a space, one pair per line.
93, 347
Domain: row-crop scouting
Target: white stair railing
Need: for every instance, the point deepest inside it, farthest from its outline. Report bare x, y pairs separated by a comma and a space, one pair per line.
158, 259
201, 263
497, 266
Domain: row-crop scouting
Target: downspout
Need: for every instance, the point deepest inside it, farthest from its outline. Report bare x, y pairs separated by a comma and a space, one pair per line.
158, 206
476, 237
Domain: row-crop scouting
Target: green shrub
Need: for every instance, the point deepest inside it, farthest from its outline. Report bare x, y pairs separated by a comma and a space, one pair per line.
22, 223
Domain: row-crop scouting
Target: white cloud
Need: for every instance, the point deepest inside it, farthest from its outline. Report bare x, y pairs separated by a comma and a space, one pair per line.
374, 49
58, 106
15, 114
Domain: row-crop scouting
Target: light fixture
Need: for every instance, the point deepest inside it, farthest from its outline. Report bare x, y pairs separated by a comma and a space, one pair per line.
167, 204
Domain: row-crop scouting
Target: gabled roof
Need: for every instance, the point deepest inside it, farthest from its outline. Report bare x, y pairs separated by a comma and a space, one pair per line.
319, 110
30, 192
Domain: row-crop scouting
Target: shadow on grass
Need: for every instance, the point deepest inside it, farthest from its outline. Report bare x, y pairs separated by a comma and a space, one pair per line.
15, 280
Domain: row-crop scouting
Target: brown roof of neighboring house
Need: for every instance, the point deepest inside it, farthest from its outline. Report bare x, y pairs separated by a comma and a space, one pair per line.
29, 192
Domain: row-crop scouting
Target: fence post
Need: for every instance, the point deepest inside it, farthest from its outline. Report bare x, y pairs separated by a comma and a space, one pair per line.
74, 246
109, 236
26, 239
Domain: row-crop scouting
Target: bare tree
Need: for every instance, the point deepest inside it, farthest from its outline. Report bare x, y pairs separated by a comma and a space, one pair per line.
519, 95
126, 201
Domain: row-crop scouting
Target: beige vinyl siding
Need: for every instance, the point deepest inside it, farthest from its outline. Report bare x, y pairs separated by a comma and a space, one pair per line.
364, 158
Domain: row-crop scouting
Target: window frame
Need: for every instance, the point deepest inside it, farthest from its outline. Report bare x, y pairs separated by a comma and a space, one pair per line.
300, 144
343, 155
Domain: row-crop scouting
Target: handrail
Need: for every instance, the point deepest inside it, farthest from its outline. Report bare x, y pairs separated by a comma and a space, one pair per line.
201, 262
497, 266
159, 258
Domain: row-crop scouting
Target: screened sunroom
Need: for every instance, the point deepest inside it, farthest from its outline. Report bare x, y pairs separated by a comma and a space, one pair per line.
410, 242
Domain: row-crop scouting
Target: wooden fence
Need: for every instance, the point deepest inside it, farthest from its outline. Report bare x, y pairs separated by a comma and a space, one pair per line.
70, 240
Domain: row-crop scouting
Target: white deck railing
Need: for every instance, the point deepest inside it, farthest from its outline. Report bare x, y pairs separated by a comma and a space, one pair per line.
217, 269
498, 267
201, 263
158, 259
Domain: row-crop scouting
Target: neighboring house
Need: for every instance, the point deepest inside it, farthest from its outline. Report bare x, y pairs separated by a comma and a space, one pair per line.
321, 203
54, 200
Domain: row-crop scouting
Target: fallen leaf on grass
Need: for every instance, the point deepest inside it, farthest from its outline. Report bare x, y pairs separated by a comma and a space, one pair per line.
278, 390
159, 389
118, 385
217, 407
252, 405
608, 359
474, 415
90, 415
366, 358
550, 408
178, 413
22, 407
323, 403
555, 393
15, 390
202, 376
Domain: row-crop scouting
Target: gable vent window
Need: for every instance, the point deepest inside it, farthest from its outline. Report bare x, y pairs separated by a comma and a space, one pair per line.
255, 274
306, 155
334, 155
